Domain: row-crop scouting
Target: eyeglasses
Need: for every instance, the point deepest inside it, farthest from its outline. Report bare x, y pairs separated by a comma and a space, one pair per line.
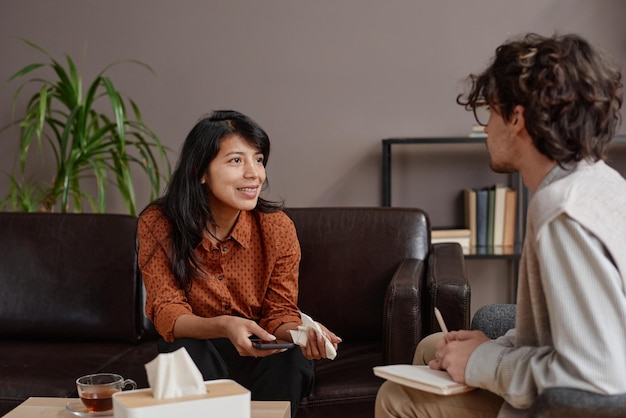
482, 112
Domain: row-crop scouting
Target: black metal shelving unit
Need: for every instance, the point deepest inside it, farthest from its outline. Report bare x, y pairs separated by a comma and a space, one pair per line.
515, 181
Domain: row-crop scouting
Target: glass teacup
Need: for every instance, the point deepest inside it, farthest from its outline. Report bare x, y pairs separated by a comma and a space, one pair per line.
96, 390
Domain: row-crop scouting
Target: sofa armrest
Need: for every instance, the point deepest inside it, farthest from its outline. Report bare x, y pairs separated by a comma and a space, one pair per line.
402, 320
448, 288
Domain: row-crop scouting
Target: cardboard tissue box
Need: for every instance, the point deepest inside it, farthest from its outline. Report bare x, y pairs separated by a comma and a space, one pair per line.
177, 389
224, 398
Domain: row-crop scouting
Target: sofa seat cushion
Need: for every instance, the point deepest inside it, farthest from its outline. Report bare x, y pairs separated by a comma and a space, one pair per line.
348, 378
41, 368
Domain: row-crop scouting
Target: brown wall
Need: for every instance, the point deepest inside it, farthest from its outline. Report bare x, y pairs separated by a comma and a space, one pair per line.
328, 79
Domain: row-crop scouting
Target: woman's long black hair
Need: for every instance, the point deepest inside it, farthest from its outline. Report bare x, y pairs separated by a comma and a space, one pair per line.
186, 200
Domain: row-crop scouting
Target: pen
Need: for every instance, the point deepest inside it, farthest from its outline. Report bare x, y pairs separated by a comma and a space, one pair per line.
442, 324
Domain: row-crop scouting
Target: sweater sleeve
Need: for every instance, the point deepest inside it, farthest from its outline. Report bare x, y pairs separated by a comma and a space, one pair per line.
585, 302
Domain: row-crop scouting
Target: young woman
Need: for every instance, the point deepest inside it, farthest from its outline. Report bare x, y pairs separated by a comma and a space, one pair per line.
220, 264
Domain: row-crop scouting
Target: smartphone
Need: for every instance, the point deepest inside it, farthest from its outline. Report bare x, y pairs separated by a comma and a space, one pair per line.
270, 345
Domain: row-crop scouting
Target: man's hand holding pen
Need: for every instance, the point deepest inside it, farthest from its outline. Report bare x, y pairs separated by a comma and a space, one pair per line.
455, 349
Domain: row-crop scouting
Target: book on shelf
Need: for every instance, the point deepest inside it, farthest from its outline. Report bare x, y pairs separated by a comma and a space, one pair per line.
508, 235
491, 216
470, 214
461, 236
491, 206
482, 205
498, 214
422, 378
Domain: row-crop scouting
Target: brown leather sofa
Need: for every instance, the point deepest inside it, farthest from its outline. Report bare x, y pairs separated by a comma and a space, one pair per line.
71, 303
371, 276
72, 300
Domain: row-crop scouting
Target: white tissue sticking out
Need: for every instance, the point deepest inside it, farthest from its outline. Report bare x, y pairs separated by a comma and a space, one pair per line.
172, 375
299, 336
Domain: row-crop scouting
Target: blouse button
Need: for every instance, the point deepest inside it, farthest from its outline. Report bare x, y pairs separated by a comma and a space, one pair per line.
220, 277
225, 249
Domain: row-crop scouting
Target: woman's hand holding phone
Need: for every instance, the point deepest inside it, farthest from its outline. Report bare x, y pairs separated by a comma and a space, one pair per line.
270, 345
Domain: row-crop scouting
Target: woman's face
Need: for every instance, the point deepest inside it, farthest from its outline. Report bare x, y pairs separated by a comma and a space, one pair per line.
235, 176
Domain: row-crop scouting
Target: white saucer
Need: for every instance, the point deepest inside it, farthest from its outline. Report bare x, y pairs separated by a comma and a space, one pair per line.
76, 407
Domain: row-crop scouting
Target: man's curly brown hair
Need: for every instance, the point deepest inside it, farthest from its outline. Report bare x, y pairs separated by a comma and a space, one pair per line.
570, 91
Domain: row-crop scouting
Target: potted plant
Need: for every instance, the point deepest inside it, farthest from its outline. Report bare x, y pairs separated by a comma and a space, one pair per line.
93, 134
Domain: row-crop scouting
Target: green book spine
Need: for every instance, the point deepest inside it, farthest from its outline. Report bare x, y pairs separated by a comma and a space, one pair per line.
490, 216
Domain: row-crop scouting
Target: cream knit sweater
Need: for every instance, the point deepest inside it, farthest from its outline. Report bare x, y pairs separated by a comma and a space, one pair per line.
571, 302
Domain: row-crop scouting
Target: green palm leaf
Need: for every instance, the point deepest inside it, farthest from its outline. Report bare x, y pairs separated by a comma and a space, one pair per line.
90, 137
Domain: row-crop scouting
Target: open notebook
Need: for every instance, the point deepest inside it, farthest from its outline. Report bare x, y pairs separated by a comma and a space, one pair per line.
422, 378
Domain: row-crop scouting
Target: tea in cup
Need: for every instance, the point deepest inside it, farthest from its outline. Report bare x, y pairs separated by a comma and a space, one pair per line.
96, 390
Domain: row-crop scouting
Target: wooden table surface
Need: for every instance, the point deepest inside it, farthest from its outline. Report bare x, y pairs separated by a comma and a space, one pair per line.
55, 407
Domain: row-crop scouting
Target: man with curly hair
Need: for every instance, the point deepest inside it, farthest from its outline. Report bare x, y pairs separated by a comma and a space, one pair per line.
552, 108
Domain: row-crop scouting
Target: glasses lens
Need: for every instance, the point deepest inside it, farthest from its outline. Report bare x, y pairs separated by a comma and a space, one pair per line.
481, 114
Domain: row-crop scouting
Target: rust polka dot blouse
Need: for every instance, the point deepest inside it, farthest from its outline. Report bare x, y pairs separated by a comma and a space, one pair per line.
253, 274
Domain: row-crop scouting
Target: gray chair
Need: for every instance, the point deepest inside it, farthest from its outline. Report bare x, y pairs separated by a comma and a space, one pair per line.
496, 320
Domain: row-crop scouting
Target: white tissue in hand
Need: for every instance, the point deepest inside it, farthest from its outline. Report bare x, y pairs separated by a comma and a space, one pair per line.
172, 375
300, 335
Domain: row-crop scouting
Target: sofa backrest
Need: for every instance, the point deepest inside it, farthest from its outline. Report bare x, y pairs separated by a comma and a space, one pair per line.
349, 256
69, 276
